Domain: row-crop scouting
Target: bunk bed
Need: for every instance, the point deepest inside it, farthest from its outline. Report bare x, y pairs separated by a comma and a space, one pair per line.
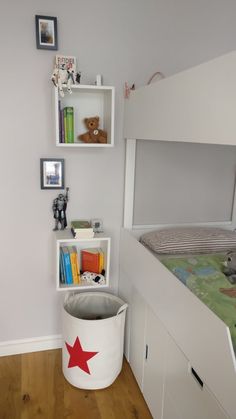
181, 352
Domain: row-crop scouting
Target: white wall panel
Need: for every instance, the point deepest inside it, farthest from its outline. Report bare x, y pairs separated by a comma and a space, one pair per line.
183, 183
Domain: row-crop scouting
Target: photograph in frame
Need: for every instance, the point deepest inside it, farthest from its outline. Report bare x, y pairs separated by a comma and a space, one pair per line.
52, 173
46, 32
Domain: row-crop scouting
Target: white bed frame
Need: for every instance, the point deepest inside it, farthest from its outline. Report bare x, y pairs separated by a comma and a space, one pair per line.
201, 109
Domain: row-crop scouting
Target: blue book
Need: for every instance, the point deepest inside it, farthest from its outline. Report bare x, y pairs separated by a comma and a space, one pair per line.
62, 268
67, 264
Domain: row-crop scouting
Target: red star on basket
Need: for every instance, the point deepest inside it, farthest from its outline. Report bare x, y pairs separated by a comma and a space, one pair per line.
79, 357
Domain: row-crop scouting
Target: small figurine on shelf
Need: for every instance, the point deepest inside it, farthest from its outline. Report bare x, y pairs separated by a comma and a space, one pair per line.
63, 76
77, 77
64, 73
94, 278
71, 77
59, 210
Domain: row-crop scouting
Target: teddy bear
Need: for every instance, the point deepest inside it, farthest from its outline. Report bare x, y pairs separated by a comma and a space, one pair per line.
94, 134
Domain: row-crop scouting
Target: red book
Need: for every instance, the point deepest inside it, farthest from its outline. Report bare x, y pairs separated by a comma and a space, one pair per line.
90, 260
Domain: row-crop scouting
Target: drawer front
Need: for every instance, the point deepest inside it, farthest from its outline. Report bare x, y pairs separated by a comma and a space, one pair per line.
188, 393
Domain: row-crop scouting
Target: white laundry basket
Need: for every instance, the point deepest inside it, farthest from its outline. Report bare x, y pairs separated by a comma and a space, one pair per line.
93, 339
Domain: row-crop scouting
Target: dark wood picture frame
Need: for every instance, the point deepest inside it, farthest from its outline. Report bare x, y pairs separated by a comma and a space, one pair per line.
46, 32
52, 173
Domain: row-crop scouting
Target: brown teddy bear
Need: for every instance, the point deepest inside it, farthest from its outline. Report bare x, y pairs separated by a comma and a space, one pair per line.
94, 134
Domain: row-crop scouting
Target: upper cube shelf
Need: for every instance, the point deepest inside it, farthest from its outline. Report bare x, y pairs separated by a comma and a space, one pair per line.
87, 101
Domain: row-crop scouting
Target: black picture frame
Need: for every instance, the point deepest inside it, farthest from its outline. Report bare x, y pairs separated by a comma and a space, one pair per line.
46, 32
52, 173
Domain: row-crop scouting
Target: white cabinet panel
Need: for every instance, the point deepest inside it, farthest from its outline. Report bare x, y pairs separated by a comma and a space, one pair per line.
170, 410
212, 408
125, 293
137, 336
163, 373
154, 365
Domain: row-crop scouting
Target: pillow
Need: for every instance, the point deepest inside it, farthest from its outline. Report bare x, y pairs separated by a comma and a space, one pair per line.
179, 240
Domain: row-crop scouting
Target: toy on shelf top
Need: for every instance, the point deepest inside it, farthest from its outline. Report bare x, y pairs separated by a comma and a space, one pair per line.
94, 278
59, 210
64, 73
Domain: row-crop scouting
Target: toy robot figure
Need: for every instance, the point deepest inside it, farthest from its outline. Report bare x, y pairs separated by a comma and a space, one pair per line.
71, 78
59, 210
64, 76
60, 77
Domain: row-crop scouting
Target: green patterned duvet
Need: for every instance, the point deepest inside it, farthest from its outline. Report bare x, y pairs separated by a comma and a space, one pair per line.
204, 277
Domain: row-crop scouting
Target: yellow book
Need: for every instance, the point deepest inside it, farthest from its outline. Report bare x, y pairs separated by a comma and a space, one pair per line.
77, 264
74, 264
101, 260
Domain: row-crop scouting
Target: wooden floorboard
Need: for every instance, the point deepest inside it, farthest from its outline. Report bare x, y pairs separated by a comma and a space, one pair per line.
32, 386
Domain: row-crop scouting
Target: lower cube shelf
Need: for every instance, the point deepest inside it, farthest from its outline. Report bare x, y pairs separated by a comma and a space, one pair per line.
70, 259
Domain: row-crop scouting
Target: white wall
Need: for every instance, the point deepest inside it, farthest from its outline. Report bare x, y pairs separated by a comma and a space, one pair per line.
122, 40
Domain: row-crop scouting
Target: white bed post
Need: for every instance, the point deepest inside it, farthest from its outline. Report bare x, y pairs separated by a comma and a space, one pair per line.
129, 183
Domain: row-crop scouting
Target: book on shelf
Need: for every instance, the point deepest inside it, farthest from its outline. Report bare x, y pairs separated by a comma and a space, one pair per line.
70, 124
62, 126
65, 62
67, 264
92, 260
82, 229
101, 260
77, 264
66, 125
80, 224
62, 268
74, 264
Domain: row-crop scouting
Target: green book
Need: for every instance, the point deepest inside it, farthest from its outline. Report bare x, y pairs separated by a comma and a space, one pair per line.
80, 224
65, 125
70, 124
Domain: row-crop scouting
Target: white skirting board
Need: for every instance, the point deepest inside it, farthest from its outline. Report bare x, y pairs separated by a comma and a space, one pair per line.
21, 346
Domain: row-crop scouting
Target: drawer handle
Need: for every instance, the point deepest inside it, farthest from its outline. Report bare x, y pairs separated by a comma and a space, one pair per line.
196, 376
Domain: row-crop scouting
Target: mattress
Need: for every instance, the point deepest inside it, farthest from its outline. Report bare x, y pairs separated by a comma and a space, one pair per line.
203, 275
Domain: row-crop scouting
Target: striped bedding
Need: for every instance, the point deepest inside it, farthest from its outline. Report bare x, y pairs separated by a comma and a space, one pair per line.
194, 240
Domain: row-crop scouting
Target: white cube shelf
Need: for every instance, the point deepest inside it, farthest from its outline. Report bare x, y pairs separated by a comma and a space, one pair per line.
87, 101
64, 238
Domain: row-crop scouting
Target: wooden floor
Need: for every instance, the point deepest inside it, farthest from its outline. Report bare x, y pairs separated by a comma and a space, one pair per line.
33, 386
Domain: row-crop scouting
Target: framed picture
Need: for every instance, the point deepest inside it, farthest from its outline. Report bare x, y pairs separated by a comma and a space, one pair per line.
52, 173
46, 32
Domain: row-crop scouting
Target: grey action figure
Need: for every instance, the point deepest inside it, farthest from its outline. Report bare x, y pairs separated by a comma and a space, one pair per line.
59, 210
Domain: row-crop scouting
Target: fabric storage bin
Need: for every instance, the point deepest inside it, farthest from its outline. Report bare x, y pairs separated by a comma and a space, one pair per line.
93, 338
